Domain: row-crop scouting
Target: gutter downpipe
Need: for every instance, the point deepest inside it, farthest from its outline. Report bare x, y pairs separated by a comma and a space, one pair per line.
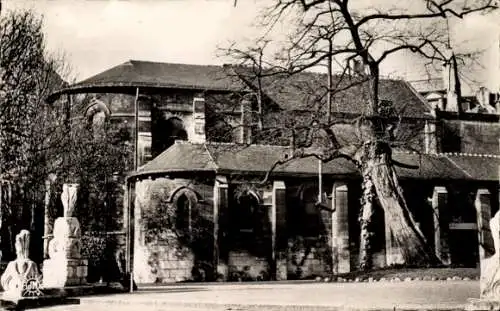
130, 220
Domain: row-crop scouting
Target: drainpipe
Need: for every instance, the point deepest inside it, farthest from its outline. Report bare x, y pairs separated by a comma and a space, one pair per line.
136, 130
129, 222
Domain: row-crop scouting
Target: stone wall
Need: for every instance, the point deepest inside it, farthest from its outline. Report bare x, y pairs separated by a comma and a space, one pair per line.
309, 229
308, 258
246, 244
243, 266
163, 254
470, 137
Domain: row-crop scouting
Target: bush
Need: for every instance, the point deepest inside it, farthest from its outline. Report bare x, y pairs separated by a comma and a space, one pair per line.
94, 249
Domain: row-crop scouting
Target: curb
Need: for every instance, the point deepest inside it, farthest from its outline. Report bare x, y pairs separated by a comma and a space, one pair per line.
392, 280
175, 305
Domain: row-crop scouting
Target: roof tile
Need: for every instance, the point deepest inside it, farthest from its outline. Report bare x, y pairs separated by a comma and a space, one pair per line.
258, 159
155, 74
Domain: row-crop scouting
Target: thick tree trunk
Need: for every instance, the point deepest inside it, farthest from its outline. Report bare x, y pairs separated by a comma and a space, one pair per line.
365, 220
379, 174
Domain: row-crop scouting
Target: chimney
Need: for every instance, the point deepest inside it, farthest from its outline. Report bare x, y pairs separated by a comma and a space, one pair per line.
451, 83
245, 121
198, 135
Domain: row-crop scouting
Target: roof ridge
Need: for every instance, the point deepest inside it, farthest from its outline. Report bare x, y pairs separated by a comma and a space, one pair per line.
174, 63
466, 154
459, 167
446, 154
211, 157
418, 95
214, 143
429, 79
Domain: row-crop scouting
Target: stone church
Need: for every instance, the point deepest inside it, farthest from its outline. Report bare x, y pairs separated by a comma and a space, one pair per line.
199, 206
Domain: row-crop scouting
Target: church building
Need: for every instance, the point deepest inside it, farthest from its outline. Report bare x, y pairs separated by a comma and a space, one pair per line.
203, 203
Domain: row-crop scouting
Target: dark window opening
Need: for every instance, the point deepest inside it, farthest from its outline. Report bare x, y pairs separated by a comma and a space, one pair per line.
166, 132
183, 213
246, 210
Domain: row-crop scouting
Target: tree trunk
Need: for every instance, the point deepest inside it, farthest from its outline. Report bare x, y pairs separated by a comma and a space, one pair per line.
379, 174
365, 220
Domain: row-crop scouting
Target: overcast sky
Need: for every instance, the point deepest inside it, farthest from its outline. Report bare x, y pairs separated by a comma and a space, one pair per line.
98, 34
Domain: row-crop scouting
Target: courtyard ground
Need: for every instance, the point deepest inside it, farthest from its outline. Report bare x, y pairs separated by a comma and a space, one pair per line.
415, 295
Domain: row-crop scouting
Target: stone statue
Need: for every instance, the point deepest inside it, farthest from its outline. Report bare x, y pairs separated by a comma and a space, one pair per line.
68, 198
21, 270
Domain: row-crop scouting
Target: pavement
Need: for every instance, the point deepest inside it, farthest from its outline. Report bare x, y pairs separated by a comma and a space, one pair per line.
415, 295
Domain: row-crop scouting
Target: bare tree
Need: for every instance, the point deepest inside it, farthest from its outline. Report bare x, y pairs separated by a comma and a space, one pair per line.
359, 39
30, 133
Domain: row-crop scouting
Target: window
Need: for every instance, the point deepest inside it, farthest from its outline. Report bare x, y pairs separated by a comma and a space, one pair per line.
97, 114
184, 204
183, 213
247, 209
144, 146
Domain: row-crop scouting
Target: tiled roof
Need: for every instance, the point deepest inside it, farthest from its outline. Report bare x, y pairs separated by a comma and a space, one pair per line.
301, 91
179, 158
289, 92
258, 159
136, 73
478, 167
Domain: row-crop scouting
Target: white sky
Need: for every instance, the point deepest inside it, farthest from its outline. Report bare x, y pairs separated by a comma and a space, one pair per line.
98, 34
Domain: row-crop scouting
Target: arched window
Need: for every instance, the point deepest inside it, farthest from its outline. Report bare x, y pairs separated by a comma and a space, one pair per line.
184, 203
247, 211
219, 130
166, 132
175, 129
97, 114
309, 214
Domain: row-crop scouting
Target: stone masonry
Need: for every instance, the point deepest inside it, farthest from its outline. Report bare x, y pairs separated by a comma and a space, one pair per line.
65, 267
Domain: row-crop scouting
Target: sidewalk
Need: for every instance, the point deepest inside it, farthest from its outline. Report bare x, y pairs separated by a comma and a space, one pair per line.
417, 295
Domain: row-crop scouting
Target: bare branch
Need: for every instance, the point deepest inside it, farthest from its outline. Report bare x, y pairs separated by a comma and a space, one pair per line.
435, 10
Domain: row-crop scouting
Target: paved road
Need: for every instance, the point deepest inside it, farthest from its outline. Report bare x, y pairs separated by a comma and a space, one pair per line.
273, 296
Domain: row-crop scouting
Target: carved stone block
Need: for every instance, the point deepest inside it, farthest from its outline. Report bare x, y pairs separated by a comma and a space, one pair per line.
67, 227
62, 272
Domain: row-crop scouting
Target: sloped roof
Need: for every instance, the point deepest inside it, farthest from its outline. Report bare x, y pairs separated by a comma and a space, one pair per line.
135, 73
302, 91
181, 157
478, 167
258, 159
290, 92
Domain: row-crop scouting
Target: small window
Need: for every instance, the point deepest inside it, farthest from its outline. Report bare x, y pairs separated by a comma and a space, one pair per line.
183, 215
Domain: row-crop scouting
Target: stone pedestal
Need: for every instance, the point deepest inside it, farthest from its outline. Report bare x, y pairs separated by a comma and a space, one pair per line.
441, 224
65, 267
69, 272
220, 205
340, 229
278, 231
